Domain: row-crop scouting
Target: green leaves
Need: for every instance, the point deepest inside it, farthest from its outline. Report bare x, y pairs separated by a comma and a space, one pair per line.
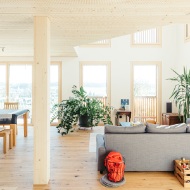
68, 111
181, 92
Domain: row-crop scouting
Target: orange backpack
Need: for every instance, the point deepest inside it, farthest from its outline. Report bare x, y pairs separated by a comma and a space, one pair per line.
115, 166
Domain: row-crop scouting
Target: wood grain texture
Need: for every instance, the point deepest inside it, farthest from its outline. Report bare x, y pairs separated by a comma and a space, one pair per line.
73, 167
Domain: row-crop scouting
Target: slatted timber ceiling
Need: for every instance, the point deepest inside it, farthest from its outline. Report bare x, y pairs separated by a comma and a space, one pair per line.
80, 22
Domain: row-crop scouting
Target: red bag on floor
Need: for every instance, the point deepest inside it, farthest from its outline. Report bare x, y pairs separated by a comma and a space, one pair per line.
115, 166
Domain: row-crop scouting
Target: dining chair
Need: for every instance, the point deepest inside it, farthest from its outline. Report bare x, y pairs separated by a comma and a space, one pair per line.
11, 105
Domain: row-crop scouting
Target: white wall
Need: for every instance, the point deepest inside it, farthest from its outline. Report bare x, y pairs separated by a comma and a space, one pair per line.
121, 54
183, 50
70, 76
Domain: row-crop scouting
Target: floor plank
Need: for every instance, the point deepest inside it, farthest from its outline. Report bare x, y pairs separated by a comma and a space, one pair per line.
73, 167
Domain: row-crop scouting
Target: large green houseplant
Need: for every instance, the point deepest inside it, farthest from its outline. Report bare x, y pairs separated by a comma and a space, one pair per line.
70, 111
181, 92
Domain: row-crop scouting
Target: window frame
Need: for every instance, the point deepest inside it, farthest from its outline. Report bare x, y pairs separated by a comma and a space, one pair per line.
159, 89
98, 44
157, 44
8, 63
108, 70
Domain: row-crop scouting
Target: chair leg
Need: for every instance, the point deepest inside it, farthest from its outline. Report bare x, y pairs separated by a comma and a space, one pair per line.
5, 143
11, 139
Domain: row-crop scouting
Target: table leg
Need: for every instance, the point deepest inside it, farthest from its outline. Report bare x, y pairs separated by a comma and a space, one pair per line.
13, 127
5, 143
25, 124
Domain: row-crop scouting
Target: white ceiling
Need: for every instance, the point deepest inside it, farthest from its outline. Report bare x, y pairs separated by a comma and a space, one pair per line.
79, 22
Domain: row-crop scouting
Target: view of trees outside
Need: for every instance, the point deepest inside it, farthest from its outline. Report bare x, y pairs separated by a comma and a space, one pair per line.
145, 92
145, 80
20, 86
95, 80
54, 88
2, 84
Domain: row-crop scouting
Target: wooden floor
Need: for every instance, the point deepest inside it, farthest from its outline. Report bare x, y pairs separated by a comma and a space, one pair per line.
73, 167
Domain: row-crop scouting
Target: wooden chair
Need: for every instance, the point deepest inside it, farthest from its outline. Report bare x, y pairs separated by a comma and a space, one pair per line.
11, 105
7, 135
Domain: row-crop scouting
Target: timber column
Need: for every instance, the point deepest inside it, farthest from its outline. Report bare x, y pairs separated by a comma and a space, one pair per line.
41, 116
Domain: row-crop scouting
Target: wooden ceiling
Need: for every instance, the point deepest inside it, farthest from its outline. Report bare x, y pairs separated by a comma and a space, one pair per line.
79, 22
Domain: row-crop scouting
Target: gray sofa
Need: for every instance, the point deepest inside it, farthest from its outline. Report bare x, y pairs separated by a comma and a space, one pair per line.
145, 148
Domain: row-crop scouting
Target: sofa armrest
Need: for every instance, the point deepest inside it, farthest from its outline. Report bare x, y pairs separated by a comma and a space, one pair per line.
100, 152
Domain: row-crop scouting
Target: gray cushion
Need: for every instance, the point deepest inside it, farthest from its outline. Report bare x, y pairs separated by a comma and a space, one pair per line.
177, 128
121, 130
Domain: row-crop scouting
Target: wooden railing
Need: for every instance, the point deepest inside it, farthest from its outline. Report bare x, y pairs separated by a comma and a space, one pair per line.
101, 98
145, 107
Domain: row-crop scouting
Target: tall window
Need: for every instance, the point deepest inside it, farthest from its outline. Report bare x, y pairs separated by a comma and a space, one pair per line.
16, 84
146, 92
20, 85
2, 84
147, 37
95, 78
55, 85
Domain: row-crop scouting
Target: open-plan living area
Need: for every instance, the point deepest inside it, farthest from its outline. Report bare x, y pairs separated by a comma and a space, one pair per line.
125, 63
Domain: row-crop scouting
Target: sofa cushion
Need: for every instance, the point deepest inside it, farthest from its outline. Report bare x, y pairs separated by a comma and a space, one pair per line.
156, 128
121, 130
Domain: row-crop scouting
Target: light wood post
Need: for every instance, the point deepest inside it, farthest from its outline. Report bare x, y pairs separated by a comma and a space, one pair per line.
41, 78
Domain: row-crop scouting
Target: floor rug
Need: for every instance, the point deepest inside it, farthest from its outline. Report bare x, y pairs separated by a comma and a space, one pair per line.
92, 142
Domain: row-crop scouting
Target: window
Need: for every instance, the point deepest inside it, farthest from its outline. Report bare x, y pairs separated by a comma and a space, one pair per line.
20, 85
146, 91
2, 85
55, 85
16, 84
95, 77
99, 44
147, 37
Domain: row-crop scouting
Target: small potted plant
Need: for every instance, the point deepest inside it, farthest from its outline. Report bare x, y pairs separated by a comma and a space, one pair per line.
88, 111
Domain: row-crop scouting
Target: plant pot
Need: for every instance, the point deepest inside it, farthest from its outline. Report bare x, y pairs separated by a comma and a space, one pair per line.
84, 121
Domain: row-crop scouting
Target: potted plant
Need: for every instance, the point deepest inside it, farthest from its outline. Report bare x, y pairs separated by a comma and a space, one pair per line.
181, 92
88, 111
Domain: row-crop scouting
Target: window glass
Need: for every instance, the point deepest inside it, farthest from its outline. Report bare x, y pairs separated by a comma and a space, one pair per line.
54, 76
94, 80
145, 80
147, 37
2, 85
20, 86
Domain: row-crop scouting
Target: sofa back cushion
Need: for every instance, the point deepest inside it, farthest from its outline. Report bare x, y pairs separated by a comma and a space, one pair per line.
176, 128
122, 130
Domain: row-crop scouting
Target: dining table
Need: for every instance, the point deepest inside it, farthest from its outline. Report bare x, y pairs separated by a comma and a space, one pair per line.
10, 117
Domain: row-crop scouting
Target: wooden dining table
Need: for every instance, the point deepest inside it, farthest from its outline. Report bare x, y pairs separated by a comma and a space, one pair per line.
9, 117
